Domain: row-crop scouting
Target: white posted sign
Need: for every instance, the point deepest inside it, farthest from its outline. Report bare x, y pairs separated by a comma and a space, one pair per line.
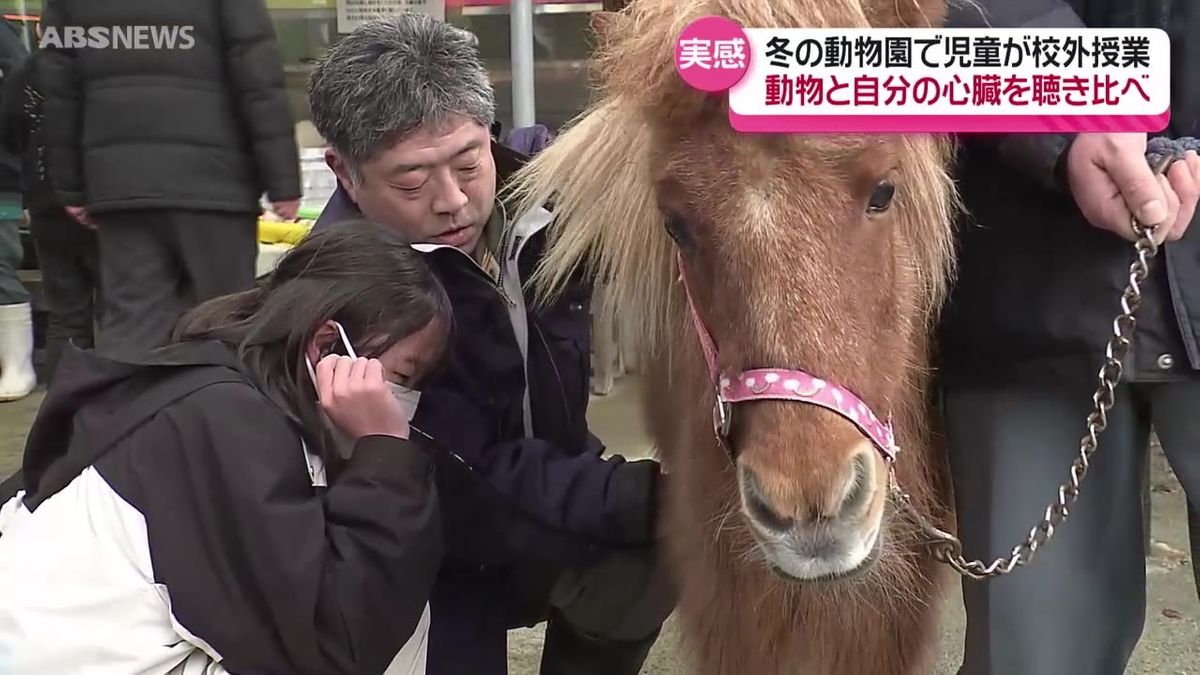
353, 13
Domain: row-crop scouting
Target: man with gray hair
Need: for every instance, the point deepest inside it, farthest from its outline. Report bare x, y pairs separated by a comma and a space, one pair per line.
539, 525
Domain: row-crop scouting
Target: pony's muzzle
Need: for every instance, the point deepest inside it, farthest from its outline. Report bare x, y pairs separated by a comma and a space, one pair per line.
848, 501
829, 529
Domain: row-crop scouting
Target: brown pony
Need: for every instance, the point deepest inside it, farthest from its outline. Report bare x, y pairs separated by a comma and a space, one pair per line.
826, 253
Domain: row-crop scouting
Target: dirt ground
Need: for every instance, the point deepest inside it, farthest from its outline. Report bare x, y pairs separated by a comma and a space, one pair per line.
1170, 644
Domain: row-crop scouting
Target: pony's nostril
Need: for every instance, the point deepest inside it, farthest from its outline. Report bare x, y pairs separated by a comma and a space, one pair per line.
758, 507
861, 477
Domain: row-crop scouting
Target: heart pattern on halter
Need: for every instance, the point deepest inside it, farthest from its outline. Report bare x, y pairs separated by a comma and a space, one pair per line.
795, 385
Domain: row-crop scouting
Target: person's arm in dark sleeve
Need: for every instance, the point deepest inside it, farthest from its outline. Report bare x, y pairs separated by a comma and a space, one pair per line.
272, 574
527, 500
256, 80
13, 125
13, 118
60, 82
1042, 156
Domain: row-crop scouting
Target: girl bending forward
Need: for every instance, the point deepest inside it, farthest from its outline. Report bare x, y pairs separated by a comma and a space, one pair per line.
244, 499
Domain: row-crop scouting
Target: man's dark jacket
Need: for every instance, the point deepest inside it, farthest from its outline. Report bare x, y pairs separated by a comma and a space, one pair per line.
1039, 286
515, 509
204, 128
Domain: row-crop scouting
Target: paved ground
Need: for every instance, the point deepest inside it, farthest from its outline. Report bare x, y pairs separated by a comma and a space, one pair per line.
1170, 644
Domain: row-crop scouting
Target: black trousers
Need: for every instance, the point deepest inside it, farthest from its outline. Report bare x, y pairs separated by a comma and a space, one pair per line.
1080, 605
68, 258
604, 618
155, 265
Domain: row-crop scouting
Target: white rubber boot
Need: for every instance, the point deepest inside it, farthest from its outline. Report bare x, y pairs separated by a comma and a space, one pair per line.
17, 378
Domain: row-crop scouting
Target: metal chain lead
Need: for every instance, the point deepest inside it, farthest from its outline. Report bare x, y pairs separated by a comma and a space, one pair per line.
946, 547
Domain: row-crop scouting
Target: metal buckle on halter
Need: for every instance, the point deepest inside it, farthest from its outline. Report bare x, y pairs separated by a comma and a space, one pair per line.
722, 416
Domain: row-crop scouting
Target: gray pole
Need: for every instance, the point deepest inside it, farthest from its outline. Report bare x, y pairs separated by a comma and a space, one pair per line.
521, 25
27, 34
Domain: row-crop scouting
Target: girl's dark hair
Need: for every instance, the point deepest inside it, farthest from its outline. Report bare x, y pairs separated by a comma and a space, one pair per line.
360, 274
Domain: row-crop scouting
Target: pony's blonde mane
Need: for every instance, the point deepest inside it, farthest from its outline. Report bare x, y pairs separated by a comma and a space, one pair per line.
606, 220
598, 172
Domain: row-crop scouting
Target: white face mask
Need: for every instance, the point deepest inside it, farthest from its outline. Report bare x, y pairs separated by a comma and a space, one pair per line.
408, 398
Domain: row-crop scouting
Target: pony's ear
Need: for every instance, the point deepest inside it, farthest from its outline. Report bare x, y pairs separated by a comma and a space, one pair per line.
907, 13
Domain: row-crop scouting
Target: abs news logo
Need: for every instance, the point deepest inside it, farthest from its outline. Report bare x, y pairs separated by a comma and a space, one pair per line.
117, 37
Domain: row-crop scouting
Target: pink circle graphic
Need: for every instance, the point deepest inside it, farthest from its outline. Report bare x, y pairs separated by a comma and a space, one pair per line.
712, 54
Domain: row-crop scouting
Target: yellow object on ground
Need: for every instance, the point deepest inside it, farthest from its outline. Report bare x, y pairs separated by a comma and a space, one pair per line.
281, 232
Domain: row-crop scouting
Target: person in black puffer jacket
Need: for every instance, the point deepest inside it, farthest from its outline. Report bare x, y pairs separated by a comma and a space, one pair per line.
66, 250
167, 150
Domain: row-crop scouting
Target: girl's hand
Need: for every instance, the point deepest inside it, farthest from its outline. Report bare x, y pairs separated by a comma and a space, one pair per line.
357, 398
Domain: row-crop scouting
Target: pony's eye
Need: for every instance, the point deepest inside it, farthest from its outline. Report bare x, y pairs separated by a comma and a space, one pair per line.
677, 229
881, 198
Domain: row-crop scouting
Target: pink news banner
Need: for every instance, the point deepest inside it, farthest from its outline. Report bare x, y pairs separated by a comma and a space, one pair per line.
809, 80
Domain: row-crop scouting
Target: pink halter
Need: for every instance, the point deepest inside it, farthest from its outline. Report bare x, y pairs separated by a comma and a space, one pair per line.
782, 385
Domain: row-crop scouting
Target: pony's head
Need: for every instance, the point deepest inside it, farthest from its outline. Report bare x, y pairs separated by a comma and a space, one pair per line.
821, 253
